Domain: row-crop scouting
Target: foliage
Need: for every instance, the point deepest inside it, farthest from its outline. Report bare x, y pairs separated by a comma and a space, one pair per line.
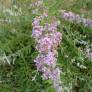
17, 45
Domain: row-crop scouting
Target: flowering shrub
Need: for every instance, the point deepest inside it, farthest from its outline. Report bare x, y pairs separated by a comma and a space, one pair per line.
48, 40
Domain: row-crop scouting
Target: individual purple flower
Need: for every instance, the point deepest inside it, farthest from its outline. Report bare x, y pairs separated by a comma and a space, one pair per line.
56, 38
52, 27
88, 23
46, 73
66, 15
37, 31
39, 63
55, 74
44, 44
35, 22
50, 59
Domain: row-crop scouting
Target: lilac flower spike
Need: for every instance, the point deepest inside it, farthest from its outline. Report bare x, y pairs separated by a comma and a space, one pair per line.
71, 17
48, 40
44, 44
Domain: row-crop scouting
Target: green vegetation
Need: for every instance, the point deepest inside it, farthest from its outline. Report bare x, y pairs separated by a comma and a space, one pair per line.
18, 46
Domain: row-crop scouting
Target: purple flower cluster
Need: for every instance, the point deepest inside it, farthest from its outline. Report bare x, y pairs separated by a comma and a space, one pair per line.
70, 16
48, 39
